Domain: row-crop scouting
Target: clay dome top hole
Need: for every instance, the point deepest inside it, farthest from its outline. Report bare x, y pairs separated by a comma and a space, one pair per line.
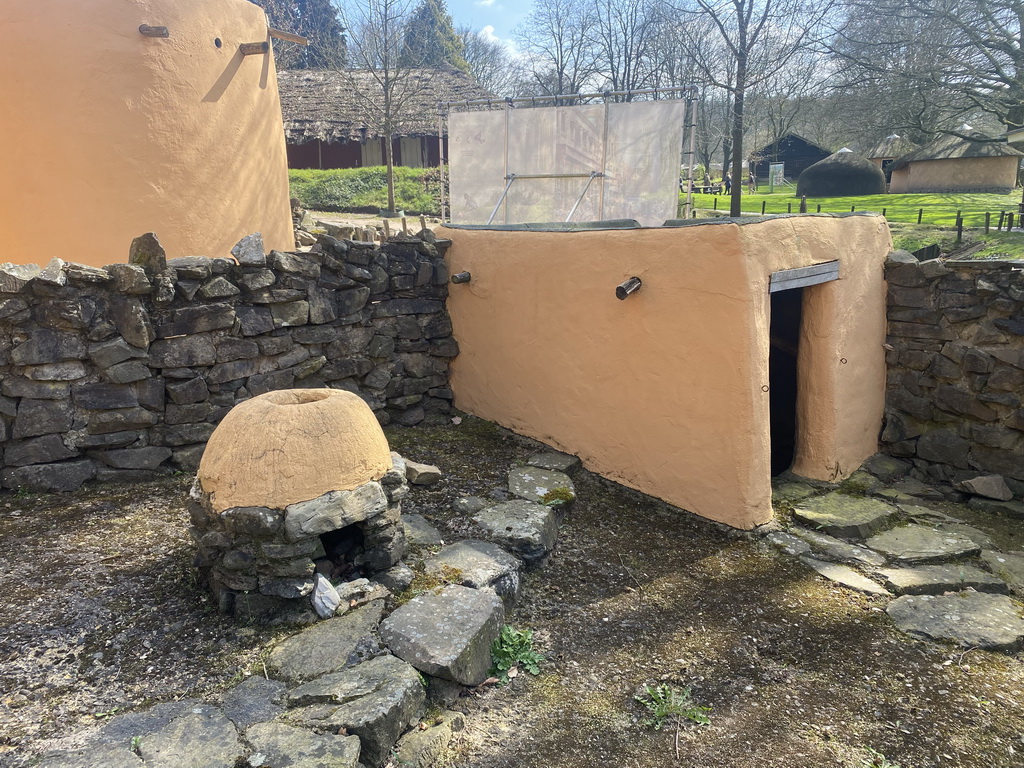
297, 396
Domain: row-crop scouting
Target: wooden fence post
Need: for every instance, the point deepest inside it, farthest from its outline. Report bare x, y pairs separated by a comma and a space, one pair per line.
988, 220
789, 207
999, 226
819, 207
920, 213
959, 228
762, 206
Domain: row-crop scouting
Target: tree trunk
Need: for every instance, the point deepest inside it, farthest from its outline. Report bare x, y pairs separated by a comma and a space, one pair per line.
389, 156
737, 135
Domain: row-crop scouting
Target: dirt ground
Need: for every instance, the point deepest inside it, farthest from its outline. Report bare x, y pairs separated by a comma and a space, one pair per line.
100, 613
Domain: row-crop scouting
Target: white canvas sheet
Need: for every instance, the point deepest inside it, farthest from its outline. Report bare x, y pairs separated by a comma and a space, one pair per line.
640, 161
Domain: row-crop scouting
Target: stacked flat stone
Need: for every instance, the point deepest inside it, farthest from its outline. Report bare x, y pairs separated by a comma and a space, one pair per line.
956, 368
123, 372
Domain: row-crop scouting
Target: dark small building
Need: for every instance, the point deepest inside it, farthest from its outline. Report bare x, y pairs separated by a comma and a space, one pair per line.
796, 152
332, 117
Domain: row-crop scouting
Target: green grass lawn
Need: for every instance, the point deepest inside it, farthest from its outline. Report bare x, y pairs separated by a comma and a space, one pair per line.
936, 209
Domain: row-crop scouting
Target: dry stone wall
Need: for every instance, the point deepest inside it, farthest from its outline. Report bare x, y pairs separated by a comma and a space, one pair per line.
123, 372
956, 367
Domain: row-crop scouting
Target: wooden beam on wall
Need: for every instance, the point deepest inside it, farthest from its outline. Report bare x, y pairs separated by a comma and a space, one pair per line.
148, 31
291, 37
248, 49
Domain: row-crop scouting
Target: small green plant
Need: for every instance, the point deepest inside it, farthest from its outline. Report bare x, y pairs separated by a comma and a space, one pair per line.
556, 497
135, 745
877, 760
513, 649
665, 702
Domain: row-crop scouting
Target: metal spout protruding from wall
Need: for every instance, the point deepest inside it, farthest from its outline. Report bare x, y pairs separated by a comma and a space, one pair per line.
630, 286
461, 277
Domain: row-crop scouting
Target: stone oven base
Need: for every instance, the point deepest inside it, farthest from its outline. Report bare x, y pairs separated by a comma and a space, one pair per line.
261, 564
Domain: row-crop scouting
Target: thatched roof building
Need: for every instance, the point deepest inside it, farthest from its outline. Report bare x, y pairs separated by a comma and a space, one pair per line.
954, 164
332, 117
843, 174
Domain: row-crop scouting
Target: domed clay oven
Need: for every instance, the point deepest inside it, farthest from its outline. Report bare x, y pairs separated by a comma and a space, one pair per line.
296, 489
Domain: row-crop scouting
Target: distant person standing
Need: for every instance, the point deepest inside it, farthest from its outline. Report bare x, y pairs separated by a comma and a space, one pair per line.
728, 183
751, 183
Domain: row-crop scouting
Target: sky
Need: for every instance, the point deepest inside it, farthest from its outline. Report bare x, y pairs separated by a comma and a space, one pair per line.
494, 18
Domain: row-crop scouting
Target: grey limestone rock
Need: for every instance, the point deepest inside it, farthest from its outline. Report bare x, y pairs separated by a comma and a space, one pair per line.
249, 251
969, 619
106, 755
60, 477
886, 468
278, 744
457, 648
528, 529
376, 700
203, 737
533, 483
254, 700
419, 534
846, 517
792, 491
325, 597
1008, 566
14, 277
829, 548
922, 544
467, 505
425, 748
788, 543
328, 646
334, 510
555, 461
397, 578
483, 566
146, 252
421, 474
992, 506
844, 575
936, 579
989, 486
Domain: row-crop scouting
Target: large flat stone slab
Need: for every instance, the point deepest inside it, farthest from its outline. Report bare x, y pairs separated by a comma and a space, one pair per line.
419, 533
835, 550
447, 634
788, 543
425, 748
376, 700
526, 528
969, 619
844, 575
534, 483
327, 646
792, 491
1008, 566
483, 565
286, 745
922, 544
555, 461
254, 700
106, 755
843, 516
886, 468
200, 738
936, 579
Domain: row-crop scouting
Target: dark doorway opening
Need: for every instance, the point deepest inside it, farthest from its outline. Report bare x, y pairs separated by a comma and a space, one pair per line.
784, 332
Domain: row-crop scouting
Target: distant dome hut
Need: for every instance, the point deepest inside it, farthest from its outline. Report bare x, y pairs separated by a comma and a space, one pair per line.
843, 174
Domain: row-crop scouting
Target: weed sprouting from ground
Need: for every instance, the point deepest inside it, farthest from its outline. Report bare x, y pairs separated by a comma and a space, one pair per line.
665, 702
877, 760
513, 649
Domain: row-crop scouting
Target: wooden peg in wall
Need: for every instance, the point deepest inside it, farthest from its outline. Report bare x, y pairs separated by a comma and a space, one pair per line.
148, 31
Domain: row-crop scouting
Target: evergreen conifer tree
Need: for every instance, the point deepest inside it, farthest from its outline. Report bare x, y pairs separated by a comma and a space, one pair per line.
431, 40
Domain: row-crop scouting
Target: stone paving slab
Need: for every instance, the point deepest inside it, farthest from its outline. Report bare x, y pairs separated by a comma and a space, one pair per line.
792, 491
483, 565
1007, 508
419, 533
327, 646
447, 634
105, 755
201, 738
886, 468
788, 543
936, 579
1009, 566
526, 528
844, 575
969, 619
424, 748
376, 700
835, 550
843, 516
254, 700
556, 462
277, 744
532, 483
922, 544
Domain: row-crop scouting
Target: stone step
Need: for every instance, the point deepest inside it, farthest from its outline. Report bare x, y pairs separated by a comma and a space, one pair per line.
969, 619
556, 462
448, 633
829, 548
922, 544
483, 565
534, 484
843, 516
526, 528
844, 575
937, 579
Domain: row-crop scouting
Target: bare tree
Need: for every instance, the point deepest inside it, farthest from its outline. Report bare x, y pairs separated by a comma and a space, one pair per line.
625, 33
376, 44
557, 40
760, 37
490, 63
